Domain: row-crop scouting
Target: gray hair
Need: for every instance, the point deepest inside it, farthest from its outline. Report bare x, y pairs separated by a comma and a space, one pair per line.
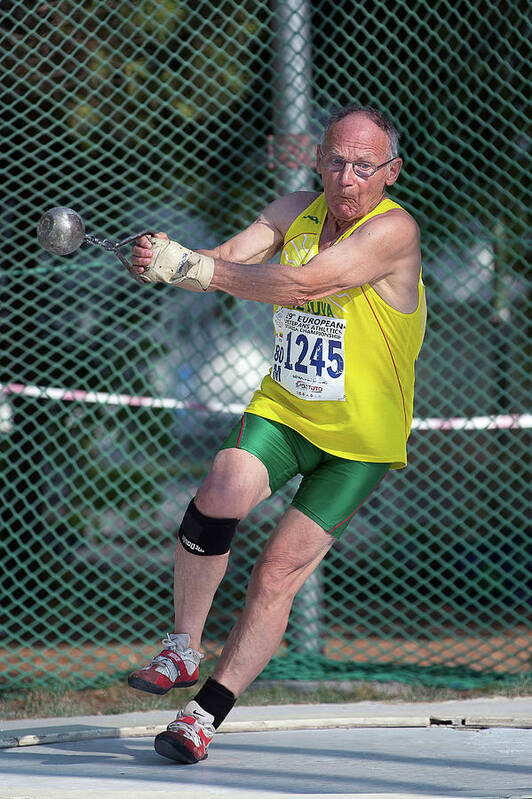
379, 118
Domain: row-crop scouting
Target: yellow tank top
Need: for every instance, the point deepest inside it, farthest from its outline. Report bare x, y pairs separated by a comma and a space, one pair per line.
343, 366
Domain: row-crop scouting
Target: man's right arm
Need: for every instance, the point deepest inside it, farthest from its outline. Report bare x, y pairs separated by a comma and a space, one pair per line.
263, 239
256, 244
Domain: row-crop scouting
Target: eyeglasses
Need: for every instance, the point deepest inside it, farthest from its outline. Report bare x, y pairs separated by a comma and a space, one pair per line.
362, 169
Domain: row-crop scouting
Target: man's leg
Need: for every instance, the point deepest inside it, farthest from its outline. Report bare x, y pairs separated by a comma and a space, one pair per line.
295, 549
236, 483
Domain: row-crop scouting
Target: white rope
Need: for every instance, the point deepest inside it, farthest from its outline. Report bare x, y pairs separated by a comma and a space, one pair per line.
509, 421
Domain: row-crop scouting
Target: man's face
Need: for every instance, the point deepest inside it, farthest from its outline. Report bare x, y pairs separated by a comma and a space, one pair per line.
348, 196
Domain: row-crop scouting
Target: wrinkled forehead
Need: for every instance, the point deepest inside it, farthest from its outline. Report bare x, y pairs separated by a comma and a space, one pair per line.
357, 131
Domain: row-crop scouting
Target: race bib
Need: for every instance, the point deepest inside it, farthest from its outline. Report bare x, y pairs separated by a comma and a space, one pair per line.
308, 355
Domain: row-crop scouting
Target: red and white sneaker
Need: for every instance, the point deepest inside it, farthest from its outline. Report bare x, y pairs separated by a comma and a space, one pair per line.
187, 739
176, 666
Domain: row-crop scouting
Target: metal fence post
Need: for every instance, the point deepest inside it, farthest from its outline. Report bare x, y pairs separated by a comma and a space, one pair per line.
293, 161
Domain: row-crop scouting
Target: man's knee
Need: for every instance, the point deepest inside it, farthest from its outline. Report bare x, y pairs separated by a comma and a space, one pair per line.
276, 576
236, 483
206, 535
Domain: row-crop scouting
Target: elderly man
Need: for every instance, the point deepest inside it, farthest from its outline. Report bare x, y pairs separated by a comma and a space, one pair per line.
336, 407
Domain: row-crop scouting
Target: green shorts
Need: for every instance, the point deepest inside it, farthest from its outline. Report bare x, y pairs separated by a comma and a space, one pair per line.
332, 488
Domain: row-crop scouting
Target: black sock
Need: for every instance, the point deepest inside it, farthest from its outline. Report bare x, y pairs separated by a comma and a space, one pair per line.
215, 699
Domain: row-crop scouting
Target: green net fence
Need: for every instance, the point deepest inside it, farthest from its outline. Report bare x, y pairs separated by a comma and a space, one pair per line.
190, 117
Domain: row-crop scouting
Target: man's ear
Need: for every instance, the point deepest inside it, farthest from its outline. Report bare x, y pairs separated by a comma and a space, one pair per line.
393, 171
318, 159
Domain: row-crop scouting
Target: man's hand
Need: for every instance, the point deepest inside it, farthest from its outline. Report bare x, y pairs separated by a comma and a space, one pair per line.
158, 259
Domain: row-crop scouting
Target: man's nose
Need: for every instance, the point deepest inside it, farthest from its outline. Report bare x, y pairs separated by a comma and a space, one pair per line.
347, 174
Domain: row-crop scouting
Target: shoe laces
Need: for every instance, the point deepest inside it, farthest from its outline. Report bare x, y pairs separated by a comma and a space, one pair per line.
190, 722
192, 731
177, 642
177, 646
165, 665
181, 648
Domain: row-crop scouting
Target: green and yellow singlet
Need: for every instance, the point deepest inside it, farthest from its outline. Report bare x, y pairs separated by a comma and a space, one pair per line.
343, 366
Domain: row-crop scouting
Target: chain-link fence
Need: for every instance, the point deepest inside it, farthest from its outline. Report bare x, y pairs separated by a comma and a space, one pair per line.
190, 117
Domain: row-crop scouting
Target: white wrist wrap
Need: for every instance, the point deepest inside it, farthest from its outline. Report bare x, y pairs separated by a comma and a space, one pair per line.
173, 263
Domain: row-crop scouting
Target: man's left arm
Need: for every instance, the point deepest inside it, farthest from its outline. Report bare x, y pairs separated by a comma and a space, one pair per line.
383, 252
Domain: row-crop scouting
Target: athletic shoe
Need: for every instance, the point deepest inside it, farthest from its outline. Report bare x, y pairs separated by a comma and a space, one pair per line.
186, 739
176, 666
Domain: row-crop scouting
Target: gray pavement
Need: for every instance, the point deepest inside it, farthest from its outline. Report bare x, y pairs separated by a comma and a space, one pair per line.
479, 749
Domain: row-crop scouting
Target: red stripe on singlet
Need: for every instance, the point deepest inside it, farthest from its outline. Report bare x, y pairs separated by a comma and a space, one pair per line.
390, 352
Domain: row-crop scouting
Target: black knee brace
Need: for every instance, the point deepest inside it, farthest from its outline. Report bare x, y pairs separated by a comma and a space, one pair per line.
205, 535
